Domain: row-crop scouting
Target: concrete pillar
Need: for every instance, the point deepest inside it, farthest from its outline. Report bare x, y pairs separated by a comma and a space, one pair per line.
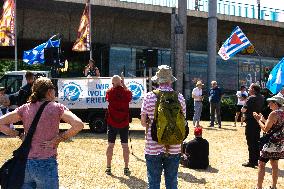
212, 41
173, 38
180, 45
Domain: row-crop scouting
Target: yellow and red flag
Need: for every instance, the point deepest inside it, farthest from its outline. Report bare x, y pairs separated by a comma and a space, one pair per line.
83, 38
7, 21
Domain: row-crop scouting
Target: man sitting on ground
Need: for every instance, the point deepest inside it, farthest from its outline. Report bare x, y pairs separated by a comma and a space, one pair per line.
197, 151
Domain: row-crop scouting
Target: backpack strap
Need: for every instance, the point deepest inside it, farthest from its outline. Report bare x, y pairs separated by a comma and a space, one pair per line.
158, 95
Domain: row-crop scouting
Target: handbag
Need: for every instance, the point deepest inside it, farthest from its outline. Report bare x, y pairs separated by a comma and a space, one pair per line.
266, 138
12, 172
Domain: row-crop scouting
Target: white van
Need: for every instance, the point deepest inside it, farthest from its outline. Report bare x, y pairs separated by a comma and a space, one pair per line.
14, 80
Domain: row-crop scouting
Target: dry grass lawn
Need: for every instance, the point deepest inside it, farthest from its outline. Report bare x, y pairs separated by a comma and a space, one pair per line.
82, 162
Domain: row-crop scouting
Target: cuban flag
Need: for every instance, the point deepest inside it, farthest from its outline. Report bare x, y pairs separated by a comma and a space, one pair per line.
234, 44
276, 78
36, 55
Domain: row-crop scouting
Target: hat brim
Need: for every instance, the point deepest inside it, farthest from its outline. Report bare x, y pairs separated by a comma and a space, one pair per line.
156, 79
275, 100
200, 84
271, 99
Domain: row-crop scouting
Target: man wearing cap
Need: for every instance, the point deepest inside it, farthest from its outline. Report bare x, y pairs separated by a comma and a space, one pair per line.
155, 154
197, 151
198, 98
215, 95
254, 103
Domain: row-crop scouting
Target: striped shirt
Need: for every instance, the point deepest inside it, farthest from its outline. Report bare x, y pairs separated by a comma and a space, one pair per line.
148, 108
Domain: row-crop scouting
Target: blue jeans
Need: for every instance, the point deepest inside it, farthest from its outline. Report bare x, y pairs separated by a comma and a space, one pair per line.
155, 165
197, 111
41, 174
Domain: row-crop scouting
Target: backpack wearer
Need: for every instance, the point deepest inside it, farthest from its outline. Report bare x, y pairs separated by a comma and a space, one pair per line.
169, 126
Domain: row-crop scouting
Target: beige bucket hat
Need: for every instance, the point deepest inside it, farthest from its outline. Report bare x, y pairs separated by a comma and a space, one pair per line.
278, 99
199, 83
164, 75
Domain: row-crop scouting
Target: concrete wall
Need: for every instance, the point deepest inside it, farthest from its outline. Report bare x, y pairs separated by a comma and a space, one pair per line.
138, 25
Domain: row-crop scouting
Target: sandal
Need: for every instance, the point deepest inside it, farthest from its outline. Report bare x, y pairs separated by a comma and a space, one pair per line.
127, 172
108, 171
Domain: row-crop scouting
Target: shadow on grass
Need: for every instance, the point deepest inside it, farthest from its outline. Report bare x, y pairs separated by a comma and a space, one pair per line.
208, 170
219, 129
210, 128
280, 172
224, 128
138, 158
131, 181
190, 178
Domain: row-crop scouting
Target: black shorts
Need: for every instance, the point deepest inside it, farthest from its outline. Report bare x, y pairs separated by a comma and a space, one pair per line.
265, 160
112, 132
238, 108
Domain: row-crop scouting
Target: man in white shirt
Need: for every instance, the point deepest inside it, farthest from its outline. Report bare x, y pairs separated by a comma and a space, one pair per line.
242, 96
198, 98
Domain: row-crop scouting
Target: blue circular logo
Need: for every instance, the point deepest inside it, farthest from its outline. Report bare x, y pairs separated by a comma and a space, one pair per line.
71, 92
136, 91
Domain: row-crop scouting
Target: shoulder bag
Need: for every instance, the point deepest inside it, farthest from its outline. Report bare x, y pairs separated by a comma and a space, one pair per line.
12, 172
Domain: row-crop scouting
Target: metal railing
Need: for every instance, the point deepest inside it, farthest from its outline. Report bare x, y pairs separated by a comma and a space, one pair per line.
223, 7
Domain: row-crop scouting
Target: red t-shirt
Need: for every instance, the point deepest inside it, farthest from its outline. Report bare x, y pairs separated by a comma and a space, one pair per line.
118, 108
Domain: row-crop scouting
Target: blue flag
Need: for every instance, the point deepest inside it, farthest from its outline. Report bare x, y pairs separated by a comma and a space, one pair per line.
276, 78
36, 55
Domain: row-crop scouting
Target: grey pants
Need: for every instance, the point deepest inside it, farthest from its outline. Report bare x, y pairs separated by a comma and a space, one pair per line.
215, 107
197, 111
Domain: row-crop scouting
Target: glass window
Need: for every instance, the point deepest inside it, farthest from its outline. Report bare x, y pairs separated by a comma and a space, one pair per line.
12, 83
122, 59
198, 68
227, 73
164, 57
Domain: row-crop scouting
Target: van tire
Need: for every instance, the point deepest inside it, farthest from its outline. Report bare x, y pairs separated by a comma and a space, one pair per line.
98, 125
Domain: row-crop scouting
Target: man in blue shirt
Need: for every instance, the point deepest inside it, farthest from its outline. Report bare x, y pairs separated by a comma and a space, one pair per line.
215, 95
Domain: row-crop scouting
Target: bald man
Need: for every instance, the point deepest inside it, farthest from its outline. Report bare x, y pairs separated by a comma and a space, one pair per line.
118, 97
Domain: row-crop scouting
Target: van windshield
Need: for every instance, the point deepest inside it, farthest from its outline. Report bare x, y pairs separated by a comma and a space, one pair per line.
12, 83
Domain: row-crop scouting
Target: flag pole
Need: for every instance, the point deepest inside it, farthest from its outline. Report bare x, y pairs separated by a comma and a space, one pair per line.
90, 29
15, 36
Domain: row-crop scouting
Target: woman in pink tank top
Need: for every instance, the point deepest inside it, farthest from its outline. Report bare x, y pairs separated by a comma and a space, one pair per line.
42, 168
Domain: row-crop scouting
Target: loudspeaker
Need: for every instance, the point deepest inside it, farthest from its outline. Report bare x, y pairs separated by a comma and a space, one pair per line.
151, 57
52, 57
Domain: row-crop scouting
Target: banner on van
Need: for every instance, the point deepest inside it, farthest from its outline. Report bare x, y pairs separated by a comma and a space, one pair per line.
90, 93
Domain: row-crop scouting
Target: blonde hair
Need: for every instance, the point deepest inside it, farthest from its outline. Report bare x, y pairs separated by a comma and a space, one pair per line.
213, 82
40, 88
